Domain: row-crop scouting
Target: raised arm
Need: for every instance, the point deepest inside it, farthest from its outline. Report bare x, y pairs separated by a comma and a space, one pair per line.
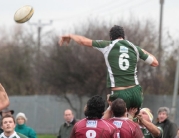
108, 113
4, 100
154, 60
77, 38
154, 130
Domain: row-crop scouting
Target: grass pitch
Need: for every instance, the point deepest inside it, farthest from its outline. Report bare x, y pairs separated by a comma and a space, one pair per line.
46, 136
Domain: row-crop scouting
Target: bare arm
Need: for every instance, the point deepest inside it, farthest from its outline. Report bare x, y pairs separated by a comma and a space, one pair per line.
155, 62
77, 38
108, 113
4, 100
154, 130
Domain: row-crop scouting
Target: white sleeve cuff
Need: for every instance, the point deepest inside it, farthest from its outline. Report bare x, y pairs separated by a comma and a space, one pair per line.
149, 60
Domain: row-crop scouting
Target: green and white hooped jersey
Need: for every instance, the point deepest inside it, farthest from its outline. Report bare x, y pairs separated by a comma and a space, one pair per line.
121, 57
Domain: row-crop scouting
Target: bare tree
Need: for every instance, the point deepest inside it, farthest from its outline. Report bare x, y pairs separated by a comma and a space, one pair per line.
16, 62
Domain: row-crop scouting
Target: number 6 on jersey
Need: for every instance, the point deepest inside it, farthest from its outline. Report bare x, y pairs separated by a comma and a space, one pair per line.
123, 63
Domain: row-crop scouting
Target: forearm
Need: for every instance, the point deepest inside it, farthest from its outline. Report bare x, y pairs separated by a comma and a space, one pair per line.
155, 62
4, 99
107, 113
81, 40
151, 128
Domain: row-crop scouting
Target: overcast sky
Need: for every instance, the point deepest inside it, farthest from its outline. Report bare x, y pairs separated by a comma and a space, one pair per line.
66, 13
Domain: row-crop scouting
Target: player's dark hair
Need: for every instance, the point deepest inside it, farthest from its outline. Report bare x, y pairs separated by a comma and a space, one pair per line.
95, 107
7, 116
116, 32
118, 107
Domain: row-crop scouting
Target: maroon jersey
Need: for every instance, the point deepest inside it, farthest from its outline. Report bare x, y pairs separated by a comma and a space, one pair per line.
97, 128
127, 128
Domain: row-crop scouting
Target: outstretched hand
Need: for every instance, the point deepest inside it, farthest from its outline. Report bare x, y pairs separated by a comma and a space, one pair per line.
64, 39
139, 118
109, 102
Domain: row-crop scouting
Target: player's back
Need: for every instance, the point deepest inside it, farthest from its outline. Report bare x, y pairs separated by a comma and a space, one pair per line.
122, 60
121, 57
127, 128
96, 128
